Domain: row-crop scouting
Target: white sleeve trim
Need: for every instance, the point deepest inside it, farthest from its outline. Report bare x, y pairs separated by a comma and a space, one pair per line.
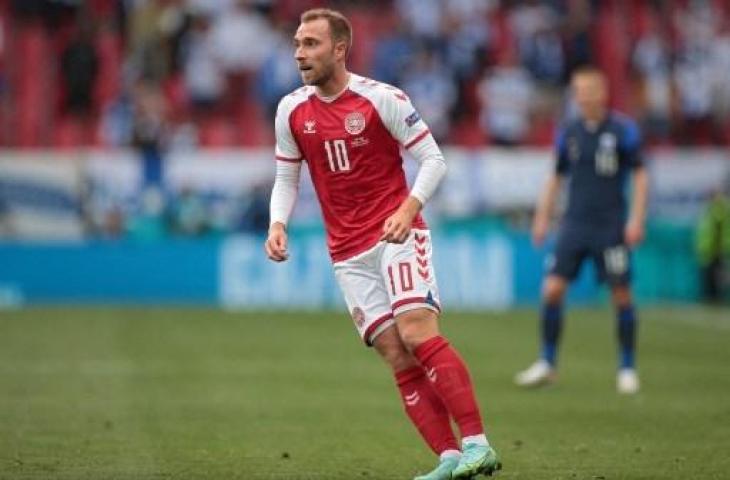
286, 146
433, 168
284, 193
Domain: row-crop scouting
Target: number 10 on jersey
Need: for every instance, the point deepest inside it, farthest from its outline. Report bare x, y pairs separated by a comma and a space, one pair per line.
337, 155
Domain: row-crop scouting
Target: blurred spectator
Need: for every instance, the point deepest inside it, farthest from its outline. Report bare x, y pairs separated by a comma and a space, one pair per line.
202, 67
721, 78
150, 130
278, 74
243, 37
145, 40
540, 47
188, 214
651, 59
117, 122
114, 223
255, 213
79, 68
713, 246
506, 94
693, 76
424, 19
212, 8
432, 90
469, 35
577, 24
149, 222
393, 50
694, 73
543, 56
465, 11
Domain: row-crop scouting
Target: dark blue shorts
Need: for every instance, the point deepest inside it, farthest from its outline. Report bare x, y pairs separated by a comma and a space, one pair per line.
604, 245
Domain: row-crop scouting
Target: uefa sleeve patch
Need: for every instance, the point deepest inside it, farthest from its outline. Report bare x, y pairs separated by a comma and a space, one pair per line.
413, 118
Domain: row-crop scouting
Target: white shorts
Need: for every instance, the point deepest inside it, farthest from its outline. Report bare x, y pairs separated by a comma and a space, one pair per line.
387, 280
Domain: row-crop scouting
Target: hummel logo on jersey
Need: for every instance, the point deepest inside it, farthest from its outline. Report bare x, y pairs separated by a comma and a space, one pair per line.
431, 373
413, 398
309, 126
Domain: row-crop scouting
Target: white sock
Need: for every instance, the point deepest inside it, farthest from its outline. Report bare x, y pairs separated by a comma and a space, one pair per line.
480, 439
449, 454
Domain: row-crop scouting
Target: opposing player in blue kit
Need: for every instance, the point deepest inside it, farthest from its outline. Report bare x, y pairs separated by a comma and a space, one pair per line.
596, 154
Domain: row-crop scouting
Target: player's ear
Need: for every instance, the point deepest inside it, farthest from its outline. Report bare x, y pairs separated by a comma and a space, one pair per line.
341, 50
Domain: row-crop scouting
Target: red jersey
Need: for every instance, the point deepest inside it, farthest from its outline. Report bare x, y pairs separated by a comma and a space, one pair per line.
351, 144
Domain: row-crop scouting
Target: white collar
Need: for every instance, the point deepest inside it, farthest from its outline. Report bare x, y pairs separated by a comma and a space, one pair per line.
334, 97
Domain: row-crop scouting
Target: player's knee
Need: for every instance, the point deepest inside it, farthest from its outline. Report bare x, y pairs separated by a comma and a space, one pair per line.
553, 291
393, 351
398, 358
621, 296
411, 338
417, 326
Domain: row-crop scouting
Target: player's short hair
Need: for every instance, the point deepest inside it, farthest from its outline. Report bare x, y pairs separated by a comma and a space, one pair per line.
340, 26
588, 71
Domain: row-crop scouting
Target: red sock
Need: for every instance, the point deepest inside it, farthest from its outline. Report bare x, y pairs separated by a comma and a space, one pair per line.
450, 378
426, 410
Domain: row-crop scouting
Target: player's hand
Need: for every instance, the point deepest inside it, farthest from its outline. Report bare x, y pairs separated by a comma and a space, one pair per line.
540, 227
397, 227
634, 233
276, 243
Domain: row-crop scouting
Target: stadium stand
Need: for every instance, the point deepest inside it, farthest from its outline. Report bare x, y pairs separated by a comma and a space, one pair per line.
217, 93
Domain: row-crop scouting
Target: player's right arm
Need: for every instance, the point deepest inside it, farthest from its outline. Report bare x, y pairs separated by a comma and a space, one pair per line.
547, 199
544, 210
406, 125
283, 198
286, 185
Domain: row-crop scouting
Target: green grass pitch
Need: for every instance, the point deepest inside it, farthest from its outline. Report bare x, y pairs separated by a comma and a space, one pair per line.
109, 393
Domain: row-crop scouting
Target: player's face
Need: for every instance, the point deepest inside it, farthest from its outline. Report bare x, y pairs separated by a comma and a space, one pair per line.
315, 52
590, 93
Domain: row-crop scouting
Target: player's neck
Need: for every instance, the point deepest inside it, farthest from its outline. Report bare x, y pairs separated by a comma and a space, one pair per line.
335, 85
594, 119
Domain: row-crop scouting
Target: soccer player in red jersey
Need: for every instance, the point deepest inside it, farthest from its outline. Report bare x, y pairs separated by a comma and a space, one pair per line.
349, 129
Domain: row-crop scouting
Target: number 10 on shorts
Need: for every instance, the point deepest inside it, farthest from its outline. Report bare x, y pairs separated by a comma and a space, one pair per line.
400, 275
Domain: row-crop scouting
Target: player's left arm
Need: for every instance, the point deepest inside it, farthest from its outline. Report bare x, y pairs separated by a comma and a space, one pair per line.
634, 231
406, 126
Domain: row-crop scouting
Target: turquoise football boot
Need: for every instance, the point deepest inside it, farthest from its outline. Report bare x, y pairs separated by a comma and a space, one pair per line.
442, 471
476, 459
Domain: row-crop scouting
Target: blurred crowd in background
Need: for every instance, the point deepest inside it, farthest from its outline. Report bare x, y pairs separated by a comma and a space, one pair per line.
188, 73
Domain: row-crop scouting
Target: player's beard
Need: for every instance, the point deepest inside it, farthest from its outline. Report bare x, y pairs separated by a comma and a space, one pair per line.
327, 71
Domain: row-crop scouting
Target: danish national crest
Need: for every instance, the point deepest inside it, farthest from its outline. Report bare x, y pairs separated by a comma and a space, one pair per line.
355, 123
358, 316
